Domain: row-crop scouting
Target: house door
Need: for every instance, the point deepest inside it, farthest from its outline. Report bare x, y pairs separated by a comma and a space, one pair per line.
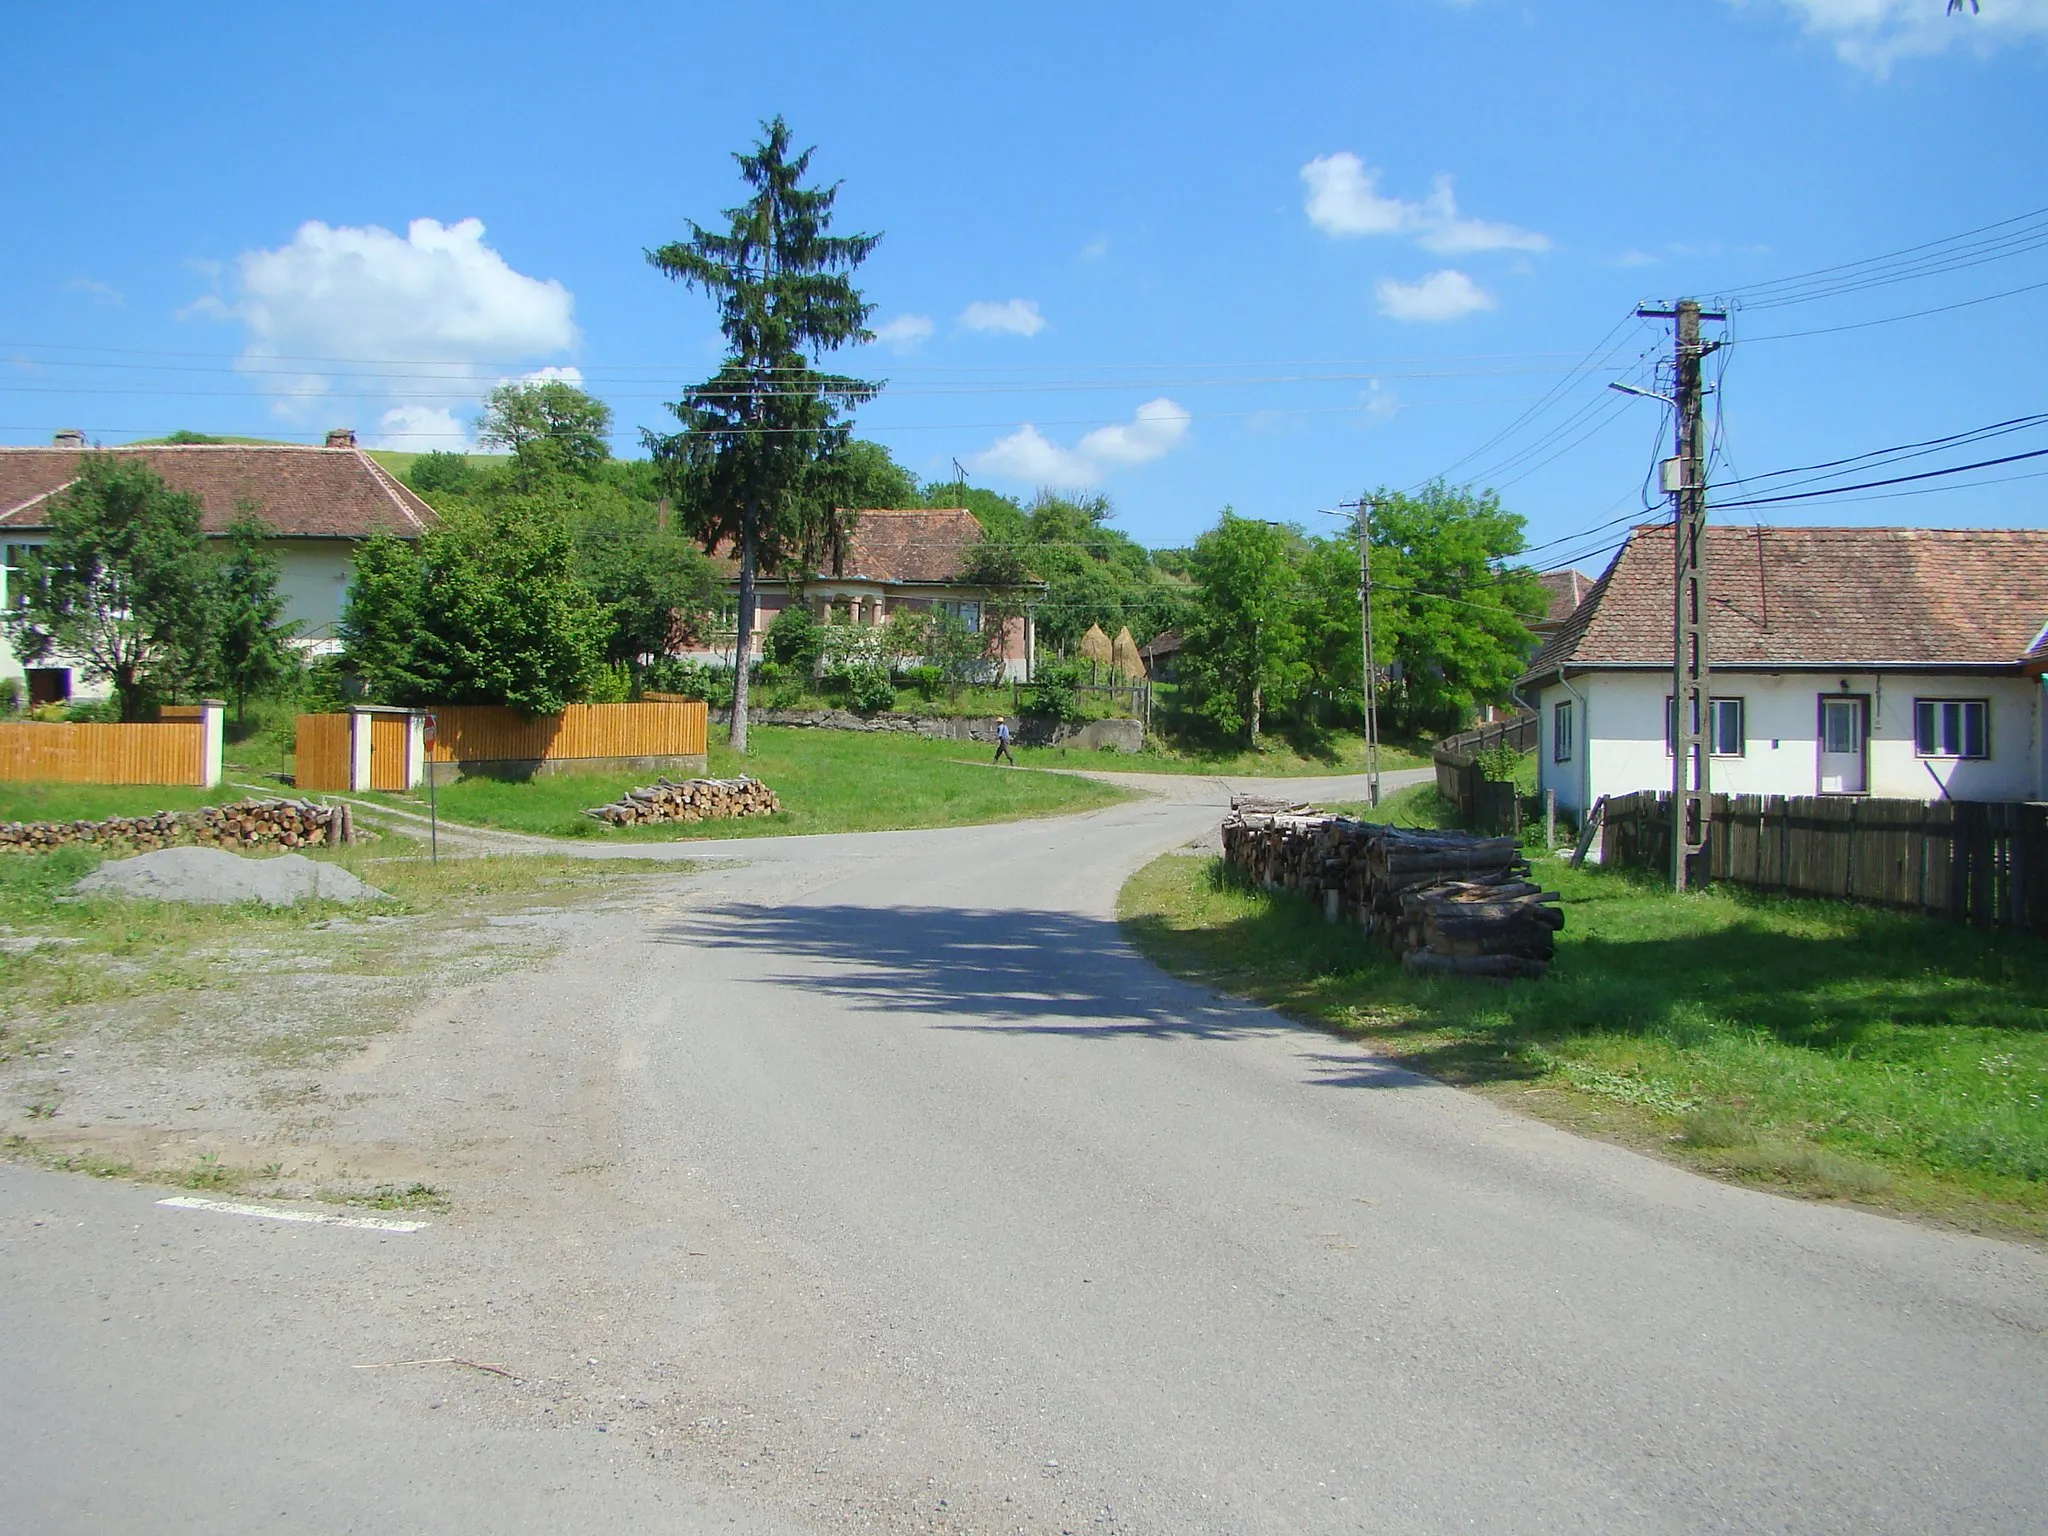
1844, 745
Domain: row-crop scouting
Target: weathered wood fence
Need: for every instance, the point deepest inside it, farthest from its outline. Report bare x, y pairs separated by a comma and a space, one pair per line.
487, 733
1971, 862
1489, 806
184, 748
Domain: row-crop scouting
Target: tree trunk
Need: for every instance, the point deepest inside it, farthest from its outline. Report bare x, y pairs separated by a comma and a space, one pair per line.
1258, 707
128, 689
743, 647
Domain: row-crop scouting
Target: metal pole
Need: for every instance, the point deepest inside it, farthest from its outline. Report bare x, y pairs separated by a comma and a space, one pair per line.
1372, 692
433, 820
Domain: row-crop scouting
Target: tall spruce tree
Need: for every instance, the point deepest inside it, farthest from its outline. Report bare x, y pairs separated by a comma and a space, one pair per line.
743, 467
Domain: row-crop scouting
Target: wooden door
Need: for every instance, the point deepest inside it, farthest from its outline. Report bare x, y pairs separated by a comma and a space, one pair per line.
390, 747
1844, 745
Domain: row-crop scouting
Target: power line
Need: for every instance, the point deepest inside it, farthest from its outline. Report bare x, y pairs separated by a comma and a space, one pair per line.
1858, 325
1992, 242
1839, 490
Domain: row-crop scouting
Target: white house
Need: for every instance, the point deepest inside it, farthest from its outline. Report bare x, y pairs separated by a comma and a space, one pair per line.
1901, 663
321, 502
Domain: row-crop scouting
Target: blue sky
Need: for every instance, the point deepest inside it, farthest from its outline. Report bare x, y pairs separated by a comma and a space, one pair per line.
1187, 257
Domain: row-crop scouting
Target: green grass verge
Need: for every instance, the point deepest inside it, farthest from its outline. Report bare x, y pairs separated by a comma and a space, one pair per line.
95, 802
1336, 754
1822, 1049
828, 781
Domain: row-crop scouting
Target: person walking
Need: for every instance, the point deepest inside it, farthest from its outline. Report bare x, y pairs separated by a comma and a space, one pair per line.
1003, 741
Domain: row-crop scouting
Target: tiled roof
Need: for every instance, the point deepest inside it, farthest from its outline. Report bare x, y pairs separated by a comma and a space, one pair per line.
918, 544
1566, 589
1821, 597
306, 493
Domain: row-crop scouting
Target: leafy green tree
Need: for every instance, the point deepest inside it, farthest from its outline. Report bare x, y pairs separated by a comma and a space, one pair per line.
745, 461
1448, 605
120, 586
1242, 651
655, 585
440, 473
250, 641
549, 426
1328, 616
487, 610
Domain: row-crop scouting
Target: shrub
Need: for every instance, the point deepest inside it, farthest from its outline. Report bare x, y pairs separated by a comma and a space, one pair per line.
13, 696
1055, 692
1497, 763
684, 676
868, 688
794, 641
105, 711
328, 686
928, 680
609, 685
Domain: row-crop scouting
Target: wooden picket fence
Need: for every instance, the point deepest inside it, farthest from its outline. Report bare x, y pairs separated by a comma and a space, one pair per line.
470, 733
1482, 803
1970, 862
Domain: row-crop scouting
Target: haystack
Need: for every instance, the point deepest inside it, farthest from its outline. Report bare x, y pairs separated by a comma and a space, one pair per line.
1125, 660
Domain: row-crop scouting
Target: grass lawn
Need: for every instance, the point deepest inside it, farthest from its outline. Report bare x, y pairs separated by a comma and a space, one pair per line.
94, 802
1814, 1047
828, 781
1336, 754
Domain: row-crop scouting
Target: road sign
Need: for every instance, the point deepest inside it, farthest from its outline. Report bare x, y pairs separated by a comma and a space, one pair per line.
433, 729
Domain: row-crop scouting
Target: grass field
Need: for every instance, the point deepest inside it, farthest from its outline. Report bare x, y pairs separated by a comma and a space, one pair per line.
1822, 1049
92, 802
828, 781
1336, 754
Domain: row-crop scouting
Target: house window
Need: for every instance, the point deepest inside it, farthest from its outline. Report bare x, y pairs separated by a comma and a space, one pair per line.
1952, 727
1725, 723
1561, 733
967, 613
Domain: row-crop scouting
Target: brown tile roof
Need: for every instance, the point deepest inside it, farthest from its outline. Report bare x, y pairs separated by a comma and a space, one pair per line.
1821, 597
304, 493
918, 544
1566, 589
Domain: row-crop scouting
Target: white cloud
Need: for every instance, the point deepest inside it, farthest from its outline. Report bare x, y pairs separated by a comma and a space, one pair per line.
420, 429
1344, 200
98, 292
439, 300
1154, 430
1633, 258
1015, 317
1444, 295
554, 373
905, 333
1876, 34
1095, 249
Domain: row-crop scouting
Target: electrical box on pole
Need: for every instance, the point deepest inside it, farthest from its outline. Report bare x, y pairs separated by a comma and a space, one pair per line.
1685, 480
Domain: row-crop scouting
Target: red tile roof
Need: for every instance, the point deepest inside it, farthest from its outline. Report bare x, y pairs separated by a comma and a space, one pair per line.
1821, 597
304, 493
889, 546
1566, 589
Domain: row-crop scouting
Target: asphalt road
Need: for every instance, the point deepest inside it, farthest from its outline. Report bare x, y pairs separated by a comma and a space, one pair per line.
877, 1185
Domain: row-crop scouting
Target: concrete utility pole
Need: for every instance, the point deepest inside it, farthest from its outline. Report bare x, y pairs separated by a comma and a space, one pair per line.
1371, 681
1685, 477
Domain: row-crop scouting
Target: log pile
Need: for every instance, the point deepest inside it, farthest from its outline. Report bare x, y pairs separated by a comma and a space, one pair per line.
247, 824
689, 800
1448, 903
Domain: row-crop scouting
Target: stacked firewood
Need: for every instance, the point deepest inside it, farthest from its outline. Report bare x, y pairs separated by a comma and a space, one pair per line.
689, 800
1449, 903
247, 824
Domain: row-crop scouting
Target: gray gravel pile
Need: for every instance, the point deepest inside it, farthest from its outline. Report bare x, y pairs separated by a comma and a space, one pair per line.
215, 876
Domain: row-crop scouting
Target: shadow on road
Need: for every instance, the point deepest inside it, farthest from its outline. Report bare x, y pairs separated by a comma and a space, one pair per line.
1008, 972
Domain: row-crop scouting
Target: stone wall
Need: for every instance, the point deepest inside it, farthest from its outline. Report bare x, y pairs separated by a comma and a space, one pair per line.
1028, 730
245, 824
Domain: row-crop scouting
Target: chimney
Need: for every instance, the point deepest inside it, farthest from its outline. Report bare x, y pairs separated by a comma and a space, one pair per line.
342, 437
68, 437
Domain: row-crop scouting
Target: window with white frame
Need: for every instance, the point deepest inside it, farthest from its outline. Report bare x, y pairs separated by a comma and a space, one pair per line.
1727, 730
1952, 727
1561, 733
967, 613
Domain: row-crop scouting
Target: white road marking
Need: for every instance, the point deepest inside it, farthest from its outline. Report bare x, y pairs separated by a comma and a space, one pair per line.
277, 1213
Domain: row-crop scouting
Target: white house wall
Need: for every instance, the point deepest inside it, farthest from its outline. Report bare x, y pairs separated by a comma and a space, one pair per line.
312, 578
1621, 716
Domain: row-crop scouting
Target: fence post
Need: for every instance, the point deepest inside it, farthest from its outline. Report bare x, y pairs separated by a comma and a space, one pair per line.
1550, 818
358, 748
213, 719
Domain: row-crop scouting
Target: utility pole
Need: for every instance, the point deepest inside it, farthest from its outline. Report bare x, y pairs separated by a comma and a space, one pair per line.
1685, 478
1369, 672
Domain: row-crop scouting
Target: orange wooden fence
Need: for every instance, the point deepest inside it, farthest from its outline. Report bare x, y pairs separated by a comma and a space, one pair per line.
321, 754
171, 753
470, 733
